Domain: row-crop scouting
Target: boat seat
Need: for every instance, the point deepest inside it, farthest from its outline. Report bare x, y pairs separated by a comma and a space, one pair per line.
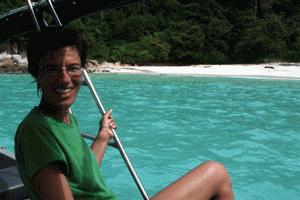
11, 185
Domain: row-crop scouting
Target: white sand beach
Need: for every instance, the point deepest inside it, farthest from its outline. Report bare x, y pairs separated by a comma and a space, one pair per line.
269, 70
15, 63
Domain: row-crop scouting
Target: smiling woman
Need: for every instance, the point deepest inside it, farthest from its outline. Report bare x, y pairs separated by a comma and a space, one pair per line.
48, 146
59, 79
54, 161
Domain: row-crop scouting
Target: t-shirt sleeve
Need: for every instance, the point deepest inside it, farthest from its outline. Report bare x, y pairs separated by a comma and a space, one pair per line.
39, 148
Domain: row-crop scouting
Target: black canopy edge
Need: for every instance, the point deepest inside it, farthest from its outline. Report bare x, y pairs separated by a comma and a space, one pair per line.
19, 21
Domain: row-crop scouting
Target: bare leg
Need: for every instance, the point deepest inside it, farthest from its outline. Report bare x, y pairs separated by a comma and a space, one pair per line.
207, 181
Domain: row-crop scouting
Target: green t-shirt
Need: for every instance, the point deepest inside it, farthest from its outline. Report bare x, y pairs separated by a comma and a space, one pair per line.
41, 140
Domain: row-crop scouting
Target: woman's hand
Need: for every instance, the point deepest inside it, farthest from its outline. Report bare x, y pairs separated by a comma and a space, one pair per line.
106, 124
104, 134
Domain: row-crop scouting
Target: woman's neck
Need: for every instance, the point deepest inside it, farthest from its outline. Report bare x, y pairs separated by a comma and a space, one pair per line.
62, 114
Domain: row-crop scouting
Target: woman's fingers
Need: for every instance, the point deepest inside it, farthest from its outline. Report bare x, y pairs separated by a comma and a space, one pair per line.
108, 123
112, 125
110, 120
109, 114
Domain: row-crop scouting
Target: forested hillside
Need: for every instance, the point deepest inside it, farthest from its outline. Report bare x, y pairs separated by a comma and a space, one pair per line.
188, 32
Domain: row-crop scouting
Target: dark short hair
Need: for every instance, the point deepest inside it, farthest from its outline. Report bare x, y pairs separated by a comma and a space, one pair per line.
51, 39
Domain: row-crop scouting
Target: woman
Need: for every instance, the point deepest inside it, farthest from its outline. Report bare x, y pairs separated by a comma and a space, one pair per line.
53, 160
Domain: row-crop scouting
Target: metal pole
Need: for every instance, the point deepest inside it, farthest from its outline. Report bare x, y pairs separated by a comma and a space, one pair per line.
37, 26
54, 13
115, 137
92, 137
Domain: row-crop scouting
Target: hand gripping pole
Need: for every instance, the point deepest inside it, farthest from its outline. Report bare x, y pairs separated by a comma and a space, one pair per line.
115, 137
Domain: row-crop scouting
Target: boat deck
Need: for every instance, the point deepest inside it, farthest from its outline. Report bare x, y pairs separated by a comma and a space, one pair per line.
11, 186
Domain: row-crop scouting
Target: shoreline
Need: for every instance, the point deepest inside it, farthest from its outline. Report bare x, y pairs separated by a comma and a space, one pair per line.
15, 64
266, 70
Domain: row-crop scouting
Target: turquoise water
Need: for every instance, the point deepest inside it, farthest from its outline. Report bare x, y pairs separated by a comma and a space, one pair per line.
170, 124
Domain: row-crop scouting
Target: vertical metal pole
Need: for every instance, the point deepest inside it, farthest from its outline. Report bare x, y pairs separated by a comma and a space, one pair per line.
115, 137
58, 22
36, 23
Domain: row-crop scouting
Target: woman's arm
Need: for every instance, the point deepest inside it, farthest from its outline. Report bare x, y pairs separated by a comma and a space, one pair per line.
104, 134
51, 183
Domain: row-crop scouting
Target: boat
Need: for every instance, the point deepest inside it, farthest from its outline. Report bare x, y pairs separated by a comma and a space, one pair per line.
11, 185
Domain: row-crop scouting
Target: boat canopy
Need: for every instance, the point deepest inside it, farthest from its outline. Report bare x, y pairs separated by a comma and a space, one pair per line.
19, 21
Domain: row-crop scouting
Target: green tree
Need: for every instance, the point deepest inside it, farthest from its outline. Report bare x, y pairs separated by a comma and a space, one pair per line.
186, 40
194, 31
94, 36
263, 39
6, 5
150, 49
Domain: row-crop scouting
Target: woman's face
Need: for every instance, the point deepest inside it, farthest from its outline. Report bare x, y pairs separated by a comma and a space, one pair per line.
60, 77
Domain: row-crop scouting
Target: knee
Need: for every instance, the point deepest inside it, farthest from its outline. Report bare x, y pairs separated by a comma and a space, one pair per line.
216, 169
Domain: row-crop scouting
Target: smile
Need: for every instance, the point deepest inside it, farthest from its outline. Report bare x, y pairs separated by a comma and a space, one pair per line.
64, 91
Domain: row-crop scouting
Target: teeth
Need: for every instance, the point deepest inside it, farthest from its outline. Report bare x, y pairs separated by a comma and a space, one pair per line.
63, 90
